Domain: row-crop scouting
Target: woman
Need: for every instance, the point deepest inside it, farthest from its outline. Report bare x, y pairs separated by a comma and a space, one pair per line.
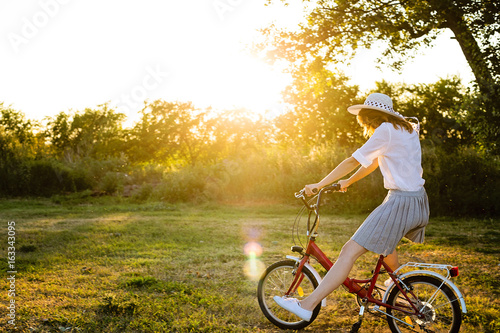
394, 146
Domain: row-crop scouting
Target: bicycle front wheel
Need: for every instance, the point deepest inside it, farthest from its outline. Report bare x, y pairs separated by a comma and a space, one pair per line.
436, 302
276, 281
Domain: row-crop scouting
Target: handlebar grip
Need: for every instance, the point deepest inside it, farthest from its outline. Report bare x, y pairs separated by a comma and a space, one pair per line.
314, 190
333, 187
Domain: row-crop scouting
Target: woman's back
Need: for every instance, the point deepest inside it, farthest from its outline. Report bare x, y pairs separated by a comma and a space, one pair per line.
399, 157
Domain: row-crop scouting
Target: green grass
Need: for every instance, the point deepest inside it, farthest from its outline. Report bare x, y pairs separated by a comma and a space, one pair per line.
111, 265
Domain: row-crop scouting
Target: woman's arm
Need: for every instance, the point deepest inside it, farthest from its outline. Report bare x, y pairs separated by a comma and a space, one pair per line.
361, 173
346, 166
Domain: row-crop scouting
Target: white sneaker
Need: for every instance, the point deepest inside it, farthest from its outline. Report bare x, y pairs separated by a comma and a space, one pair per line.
293, 305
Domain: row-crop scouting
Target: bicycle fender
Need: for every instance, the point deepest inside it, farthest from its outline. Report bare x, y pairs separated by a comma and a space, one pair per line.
313, 271
436, 275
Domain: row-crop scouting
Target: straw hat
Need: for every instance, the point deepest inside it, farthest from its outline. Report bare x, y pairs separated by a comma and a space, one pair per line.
376, 101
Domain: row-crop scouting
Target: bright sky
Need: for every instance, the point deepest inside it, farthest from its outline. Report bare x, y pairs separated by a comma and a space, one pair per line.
61, 55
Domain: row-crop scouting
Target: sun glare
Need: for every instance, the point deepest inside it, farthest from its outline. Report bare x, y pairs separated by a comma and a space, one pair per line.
244, 82
152, 50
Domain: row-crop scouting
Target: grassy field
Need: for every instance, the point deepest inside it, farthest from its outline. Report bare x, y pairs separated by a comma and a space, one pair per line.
110, 265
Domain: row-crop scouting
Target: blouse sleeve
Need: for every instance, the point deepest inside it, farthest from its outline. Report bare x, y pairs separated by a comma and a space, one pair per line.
374, 147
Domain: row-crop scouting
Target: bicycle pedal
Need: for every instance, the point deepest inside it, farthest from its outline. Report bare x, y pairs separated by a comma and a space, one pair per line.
357, 325
362, 311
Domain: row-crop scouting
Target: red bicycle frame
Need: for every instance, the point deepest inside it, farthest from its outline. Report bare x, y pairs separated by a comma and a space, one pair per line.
352, 285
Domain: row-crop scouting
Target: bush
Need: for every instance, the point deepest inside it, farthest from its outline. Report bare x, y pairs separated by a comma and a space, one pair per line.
184, 185
14, 178
44, 177
112, 182
143, 193
459, 182
463, 182
151, 173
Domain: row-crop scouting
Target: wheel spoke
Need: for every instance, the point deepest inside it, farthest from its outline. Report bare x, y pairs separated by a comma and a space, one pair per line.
436, 303
276, 281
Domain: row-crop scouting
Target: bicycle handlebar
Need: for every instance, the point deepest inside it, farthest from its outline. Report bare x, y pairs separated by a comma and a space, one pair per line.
302, 194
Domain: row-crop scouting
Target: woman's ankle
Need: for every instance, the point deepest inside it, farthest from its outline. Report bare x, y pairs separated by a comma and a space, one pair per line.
306, 306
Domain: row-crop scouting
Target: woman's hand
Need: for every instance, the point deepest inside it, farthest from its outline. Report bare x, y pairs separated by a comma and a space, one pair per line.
344, 184
312, 189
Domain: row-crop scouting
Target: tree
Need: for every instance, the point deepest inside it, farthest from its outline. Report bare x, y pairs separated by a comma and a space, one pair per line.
179, 133
335, 29
19, 145
17, 133
320, 99
167, 132
236, 133
436, 105
93, 133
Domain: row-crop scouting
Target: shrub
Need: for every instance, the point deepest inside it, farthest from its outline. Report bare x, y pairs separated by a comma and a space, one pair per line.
15, 177
112, 182
184, 185
143, 193
48, 177
463, 182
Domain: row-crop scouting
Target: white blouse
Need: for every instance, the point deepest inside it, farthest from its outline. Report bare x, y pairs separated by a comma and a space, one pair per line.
399, 157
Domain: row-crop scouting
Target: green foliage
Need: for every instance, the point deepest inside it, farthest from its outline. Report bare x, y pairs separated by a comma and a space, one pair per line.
319, 98
95, 133
112, 182
463, 183
49, 177
163, 128
184, 185
179, 134
178, 153
336, 29
438, 106
482, 117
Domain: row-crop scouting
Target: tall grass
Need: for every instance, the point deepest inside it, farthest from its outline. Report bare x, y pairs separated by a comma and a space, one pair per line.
462, 182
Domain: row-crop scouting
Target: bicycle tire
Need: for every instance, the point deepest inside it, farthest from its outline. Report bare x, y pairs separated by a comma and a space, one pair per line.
435, 299
276, 281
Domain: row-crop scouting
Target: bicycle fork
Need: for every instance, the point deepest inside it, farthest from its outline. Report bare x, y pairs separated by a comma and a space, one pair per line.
301, 263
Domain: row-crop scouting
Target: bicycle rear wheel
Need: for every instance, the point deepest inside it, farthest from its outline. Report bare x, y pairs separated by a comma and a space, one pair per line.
276, 281
435, 300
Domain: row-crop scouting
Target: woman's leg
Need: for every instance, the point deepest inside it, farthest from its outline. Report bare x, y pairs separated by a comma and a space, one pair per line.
336, 275
392, 260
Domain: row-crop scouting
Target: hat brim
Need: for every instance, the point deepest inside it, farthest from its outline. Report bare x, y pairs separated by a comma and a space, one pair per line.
356, 108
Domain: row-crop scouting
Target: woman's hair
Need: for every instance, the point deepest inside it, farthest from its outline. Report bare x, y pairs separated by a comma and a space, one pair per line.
371, 119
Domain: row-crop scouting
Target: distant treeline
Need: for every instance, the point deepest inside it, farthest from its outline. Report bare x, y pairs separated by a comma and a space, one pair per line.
177, 152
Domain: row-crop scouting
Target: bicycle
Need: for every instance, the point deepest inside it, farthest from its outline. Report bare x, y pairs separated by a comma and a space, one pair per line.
420, 300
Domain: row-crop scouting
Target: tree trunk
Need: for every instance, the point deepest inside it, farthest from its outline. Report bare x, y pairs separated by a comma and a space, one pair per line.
454, 20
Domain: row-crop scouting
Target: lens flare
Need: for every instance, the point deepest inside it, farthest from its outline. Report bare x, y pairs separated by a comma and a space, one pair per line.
253, 249
253, 266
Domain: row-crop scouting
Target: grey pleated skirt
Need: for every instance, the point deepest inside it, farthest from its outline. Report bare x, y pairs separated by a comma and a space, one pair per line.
401, 214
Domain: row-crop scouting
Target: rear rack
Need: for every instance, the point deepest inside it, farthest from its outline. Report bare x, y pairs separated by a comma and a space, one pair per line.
448, 268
